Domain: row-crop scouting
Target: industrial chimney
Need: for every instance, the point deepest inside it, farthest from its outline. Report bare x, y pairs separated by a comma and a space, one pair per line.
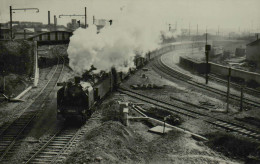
49, 18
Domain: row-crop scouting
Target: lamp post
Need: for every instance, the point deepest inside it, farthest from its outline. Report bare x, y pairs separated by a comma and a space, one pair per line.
77, 15
11, 17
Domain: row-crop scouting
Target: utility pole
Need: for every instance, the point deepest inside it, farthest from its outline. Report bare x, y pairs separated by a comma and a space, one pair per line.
207, 49
11, 23
206, 35
11, 17
77, 15
93, 19
85, 17
228, 88
169, 27
218, 30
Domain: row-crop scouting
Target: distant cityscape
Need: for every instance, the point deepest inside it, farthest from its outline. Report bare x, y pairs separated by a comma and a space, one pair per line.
25, 29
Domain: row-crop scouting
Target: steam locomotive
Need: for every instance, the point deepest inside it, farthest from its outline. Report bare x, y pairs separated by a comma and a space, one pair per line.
76, 99
73, 100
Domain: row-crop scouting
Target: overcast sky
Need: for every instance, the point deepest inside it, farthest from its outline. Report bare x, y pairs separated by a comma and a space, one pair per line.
207, 13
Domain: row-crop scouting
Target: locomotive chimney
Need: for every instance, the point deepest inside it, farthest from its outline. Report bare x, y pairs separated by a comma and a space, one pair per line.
77, 79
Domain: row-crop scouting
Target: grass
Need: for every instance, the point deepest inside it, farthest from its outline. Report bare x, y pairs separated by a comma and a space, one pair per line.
233, 146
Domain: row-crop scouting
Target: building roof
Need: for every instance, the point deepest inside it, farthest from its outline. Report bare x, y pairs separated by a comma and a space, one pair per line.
44, 30
254, 42
4, 28
61, 29
29, 29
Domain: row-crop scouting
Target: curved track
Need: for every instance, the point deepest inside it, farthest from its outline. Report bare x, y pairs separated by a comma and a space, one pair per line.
158, 65
226, 125
10, 135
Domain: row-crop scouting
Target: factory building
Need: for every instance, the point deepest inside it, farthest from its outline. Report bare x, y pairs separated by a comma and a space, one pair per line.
253, 52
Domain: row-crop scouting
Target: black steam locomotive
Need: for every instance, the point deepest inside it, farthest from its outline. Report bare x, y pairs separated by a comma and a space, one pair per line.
76, 99
73, 100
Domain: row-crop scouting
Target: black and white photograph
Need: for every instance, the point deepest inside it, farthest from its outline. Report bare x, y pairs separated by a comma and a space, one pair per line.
130, 81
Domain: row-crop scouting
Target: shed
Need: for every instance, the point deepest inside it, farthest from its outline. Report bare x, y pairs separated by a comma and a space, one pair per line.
253, 52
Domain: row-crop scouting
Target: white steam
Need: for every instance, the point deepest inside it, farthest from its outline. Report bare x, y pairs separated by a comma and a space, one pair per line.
115, 45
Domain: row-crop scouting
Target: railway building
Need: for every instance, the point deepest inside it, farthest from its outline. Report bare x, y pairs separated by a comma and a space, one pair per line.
253, 52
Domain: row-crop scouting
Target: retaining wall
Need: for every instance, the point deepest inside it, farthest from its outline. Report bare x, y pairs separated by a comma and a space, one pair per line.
236, 73
220, 70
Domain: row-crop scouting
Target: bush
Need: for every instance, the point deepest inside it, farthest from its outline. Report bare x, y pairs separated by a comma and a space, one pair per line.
231, 145
17, 57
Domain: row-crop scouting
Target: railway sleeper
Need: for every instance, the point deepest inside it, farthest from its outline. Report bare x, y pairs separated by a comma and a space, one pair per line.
241, 132
40, 160
60, 141
53, 149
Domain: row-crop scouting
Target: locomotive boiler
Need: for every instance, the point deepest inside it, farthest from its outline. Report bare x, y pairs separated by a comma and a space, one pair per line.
73, 100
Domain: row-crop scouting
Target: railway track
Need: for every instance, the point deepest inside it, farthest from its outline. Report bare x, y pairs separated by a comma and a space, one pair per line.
159, 65
165, 105
57, 147
218, 79
178, 109
12, 133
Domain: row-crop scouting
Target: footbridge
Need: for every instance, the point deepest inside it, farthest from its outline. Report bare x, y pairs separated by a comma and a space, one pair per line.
52, 37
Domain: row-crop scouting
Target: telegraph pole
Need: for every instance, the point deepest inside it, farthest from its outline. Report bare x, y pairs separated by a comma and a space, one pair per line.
11, 23
207, 49
85, 17
228, 88
77, 15
11, 17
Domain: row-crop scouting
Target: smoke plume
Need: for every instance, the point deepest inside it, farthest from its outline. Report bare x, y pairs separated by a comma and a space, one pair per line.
115, 45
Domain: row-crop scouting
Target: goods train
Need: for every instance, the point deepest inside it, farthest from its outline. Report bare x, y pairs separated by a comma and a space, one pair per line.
76, 99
